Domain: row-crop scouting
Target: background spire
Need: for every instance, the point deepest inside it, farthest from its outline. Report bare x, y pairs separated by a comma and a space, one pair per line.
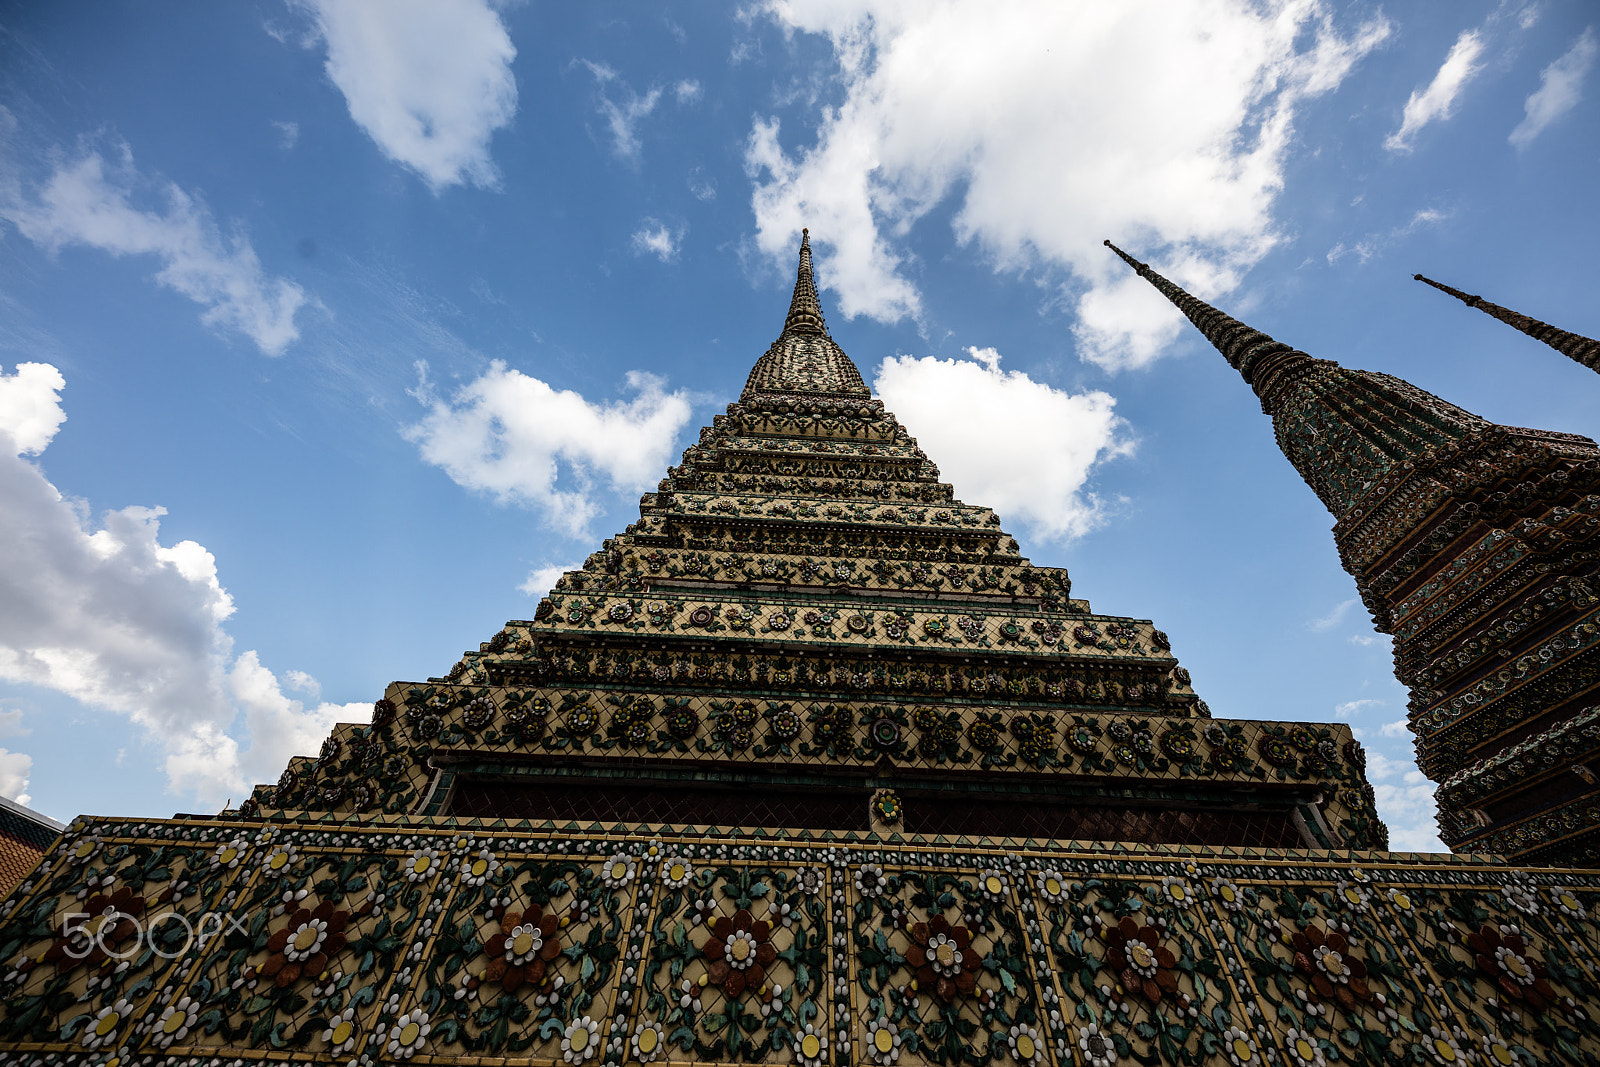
1585, 350
805, 312
1242, 346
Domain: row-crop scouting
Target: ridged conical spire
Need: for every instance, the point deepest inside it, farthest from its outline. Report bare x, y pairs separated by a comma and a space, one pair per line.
1252, 353
1342, 429
804, 358
1585, 350
805, 312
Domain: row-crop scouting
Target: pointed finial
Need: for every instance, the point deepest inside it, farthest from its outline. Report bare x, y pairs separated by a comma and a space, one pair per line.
1246, 349
805, 311
1575, 346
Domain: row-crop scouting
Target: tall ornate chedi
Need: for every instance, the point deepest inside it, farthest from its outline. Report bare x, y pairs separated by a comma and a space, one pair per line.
807, 766
1475, 546
1585, 350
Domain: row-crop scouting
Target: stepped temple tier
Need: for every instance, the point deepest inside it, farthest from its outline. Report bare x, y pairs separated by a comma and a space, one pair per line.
810, 765
1475, 546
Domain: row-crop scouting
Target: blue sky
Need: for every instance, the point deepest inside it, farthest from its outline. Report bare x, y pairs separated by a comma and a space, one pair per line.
327, 329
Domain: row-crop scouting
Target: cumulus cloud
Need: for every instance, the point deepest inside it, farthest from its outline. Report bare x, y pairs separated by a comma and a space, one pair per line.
288, 133
30, 407
1405, 803
526, 443
970, 414
1056, 124
655, 238
428, 80
1438, 100
543, 579
108, 615
15, 769
90, 202
1560, 88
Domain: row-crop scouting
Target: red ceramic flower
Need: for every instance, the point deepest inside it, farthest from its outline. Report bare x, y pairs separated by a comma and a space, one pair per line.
111, 920
303, 946
739, 952
522, 950
1327, 962
944, 958
1504, 959
1143, 964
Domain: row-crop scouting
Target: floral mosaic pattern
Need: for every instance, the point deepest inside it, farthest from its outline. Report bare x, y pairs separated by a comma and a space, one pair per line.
398, 941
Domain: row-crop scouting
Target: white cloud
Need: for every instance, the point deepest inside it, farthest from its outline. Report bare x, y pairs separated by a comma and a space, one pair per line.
1056, 124
1343, 711
543, 579
1405, 803
288, 133
687, 91
30, 407
1334, 617
1374, 244
82, 204
301, 682
970, 415
622, 120
1365, 640
111, 617
15, 769
1560, 88
428, 80
1438, 100
656, 239
1397, 728
702, 185
515, 437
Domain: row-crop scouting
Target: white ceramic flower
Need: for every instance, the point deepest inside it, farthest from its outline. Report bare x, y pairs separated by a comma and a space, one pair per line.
1230, 895
1352, 895
580, 1041
340, 1036
618, 870
871, 881
278, 861
1025, 1045
409, 1033
175, 1022
1303, 1049
1240, 1047
648, 1041
1497, 1053
423, 862
1442, 1046
675, 873
883, 1042
810, 1046
992, 884
1177, 891
1098, 1049
1051, 885
1567, 903
476, 870
230, 855
102, 1029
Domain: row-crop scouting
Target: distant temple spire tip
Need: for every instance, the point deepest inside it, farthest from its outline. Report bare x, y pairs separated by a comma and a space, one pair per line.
805, 310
